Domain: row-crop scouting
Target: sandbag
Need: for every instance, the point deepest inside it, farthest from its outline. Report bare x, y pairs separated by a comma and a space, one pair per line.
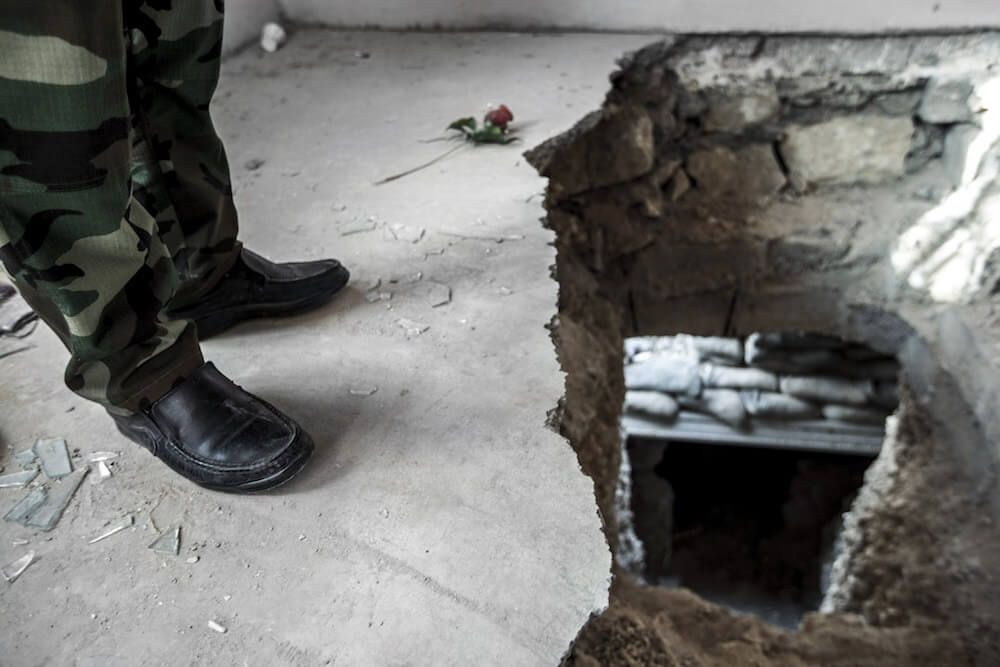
796, 339
727, 350
828, 389
651, 403
791, 361
723, 404
725, 377
772, 405
667, 373
855, 415
637, 344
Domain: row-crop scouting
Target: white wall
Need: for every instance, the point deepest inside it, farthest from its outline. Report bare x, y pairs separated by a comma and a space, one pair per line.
652, 15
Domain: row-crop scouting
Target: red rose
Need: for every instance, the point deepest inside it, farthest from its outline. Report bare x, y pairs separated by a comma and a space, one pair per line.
499, 117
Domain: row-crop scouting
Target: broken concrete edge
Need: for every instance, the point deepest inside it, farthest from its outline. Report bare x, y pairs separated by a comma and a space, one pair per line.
776, 75
553, 422
615, 229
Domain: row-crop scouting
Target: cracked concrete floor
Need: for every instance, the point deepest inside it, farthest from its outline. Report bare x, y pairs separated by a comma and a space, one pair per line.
440, 523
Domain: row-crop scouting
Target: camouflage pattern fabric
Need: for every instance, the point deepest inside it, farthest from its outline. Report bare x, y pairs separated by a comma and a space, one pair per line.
115, 198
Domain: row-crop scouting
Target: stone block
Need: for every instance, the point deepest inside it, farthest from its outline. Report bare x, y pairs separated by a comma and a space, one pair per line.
946, 102
731, 110
863, 148
901, 103
621, 147
748, 174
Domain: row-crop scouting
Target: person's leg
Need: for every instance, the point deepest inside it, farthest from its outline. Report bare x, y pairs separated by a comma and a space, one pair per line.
179, 167
84, 253
88, 255
182, 176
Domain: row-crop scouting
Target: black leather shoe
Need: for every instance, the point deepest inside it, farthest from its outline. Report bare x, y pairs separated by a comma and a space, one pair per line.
219, 436
256, 287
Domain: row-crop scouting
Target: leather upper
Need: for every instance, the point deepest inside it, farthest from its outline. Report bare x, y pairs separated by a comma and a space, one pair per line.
214, 433
211, 419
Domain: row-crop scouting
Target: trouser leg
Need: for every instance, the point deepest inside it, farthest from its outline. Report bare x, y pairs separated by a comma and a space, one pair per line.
84, 252
179, 164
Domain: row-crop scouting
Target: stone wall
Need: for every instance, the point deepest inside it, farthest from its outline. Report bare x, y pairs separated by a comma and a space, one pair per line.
845, 186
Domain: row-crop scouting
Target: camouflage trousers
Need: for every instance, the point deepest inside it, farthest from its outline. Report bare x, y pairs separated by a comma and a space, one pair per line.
115, 197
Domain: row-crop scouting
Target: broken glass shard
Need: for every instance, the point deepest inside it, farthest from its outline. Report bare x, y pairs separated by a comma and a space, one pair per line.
97, 457
16, 480
25, 458
169, 543
103, 472
54, 457
48, 514
413, 328
116, 528
11, 572
25, 506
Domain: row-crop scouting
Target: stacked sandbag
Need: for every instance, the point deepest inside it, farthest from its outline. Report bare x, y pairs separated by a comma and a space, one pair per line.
783, 376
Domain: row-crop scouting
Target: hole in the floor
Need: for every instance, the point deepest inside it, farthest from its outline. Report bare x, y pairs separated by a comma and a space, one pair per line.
742, 456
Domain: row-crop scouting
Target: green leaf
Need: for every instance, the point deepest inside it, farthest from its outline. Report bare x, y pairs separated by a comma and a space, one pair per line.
492, 134
467, 124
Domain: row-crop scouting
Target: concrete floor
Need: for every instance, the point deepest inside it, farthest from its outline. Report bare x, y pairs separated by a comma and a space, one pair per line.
440, 523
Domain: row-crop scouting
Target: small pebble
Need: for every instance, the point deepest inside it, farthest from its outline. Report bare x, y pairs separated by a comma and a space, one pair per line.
193, 559
217, 627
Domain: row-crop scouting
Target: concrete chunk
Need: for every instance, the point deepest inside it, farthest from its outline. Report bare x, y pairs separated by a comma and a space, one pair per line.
865, 148
750, 173
946, 102
731, 111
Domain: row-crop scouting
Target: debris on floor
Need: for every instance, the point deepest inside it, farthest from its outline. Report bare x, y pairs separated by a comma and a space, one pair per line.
26, 458
24, 508
374, 297
169, 543
363, 391
98, 457
47, 514
502, 238
17, 480
272, 37
215, 625
412, 327
53, 454
127, 522
400, 232
436, 294
358, 227
11, 572
102, 472
406, 278
254, 164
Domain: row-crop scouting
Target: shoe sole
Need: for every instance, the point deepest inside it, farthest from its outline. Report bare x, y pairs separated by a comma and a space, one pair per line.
273, 481
223, 320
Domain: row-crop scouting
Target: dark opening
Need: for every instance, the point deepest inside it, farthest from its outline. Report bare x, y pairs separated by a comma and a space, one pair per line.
738, 494
754, 528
